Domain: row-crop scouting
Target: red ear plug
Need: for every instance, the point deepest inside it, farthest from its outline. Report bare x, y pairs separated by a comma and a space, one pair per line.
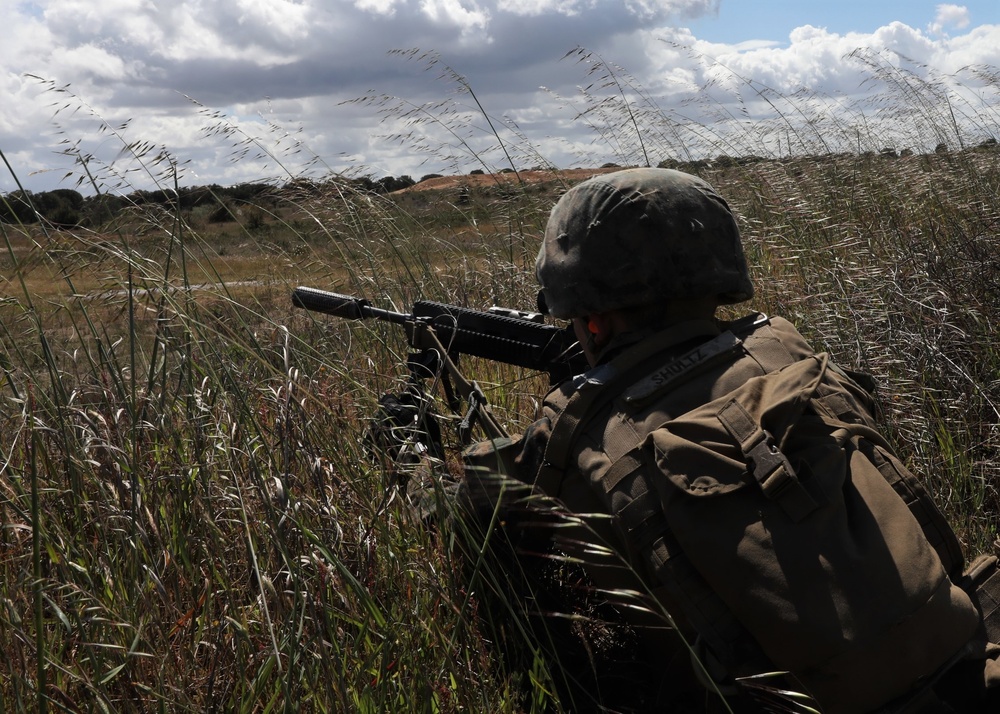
592, 326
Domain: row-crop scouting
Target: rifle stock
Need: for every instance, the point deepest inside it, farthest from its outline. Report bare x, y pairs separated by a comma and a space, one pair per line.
497, 336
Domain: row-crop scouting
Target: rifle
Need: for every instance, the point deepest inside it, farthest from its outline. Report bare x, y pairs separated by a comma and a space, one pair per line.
439, 333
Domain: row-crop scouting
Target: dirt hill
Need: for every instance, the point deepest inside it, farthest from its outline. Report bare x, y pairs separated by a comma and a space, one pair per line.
568, 176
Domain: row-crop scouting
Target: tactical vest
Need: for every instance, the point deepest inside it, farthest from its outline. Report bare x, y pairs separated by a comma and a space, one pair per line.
745, 472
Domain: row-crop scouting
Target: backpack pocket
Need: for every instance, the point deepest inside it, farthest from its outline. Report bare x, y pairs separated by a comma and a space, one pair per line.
784, 516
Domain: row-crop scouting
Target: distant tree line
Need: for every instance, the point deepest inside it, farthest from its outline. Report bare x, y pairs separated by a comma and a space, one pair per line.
64, 207
67, 208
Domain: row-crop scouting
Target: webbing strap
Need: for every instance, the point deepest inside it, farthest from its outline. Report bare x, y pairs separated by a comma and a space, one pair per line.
704, 609
770, 468
932, 522
983, 582
988, 595
641, 515
644, 523
767, 349
642, 519
624, 466
680, 368
603, 384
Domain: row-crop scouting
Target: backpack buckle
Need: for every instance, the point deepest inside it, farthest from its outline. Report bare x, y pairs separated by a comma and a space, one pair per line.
768, 465
771, 468
777, 479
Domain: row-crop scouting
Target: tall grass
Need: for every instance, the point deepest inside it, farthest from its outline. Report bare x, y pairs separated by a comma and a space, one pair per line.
890, 264
191, 520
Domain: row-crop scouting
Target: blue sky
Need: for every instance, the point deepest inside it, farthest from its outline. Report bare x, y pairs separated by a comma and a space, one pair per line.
742, 20
192, 79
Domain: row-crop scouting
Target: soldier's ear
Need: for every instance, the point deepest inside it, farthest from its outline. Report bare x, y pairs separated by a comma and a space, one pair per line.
602, 326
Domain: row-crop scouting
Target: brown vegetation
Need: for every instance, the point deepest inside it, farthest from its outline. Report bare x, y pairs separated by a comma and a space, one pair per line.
192, 520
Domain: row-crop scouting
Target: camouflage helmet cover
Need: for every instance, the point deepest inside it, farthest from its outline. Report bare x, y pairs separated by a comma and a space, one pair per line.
638, 237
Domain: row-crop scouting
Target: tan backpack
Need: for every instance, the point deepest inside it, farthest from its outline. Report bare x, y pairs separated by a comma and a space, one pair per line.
777, 518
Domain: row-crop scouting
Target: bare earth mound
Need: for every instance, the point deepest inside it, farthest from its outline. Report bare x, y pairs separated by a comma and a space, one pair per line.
570, 176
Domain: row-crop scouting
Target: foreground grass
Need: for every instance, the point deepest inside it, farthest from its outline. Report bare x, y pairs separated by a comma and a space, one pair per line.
191, 521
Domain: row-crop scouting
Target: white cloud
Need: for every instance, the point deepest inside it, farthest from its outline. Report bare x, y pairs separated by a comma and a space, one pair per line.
296, 62
658, 9
379, 7
91, 61
533, 8
456, 14
264, 30
981, 46
948, 15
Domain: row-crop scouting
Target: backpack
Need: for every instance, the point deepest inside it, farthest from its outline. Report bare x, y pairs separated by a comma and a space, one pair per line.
773, 514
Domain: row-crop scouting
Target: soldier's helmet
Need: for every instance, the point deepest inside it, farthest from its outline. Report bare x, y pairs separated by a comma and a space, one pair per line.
638, 237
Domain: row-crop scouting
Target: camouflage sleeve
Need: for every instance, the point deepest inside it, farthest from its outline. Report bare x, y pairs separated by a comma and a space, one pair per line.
499, 473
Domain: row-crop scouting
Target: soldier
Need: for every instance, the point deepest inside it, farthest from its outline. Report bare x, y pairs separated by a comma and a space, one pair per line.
749, 515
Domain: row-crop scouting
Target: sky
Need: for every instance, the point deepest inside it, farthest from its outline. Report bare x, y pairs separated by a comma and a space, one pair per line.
124, 94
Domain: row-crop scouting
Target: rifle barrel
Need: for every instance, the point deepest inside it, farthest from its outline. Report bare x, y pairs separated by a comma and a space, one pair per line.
345, 306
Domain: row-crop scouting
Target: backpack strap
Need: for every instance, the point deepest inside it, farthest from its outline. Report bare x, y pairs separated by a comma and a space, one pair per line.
642, 375
766, 348
769, 466
643, 523
933, 523
982, 580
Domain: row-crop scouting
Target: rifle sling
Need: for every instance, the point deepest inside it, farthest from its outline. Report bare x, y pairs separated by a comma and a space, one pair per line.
468, 390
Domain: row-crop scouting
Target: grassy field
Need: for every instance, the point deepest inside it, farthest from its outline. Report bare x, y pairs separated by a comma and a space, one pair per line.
191, 521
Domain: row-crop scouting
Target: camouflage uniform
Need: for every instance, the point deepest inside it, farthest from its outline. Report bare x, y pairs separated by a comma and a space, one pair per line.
635, 239
656, 671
